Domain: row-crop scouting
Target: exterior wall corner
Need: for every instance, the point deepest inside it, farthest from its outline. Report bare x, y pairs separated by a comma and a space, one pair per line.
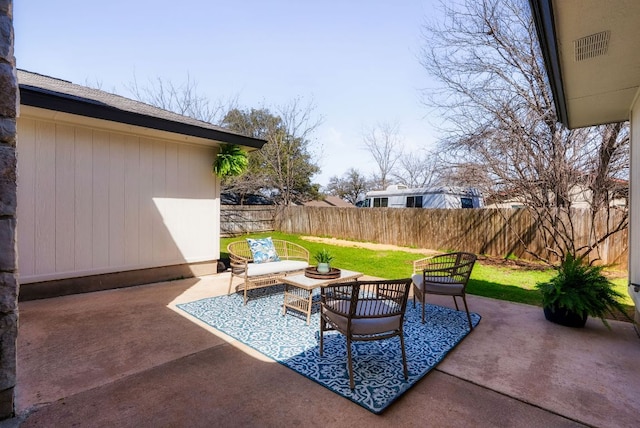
8, 254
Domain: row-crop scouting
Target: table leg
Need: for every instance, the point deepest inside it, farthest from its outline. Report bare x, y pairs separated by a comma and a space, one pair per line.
309, 306
284, 303
298, 299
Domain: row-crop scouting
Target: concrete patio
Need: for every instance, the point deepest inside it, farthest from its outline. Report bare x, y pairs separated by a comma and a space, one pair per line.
128, 358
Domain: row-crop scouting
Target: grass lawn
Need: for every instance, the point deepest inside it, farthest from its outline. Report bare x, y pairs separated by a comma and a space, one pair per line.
512, 283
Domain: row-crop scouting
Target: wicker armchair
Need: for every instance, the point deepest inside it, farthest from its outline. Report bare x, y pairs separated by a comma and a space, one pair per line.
365, 310
294, 259
444, 274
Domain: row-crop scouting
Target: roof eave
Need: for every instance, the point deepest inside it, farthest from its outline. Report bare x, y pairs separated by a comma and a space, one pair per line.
73, 105
542, 11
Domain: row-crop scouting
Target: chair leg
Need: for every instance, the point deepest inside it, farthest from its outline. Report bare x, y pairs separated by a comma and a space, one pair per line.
404, 356
230, 283
423, 298
468, 314
245, 294
414, 296
322, 326
456, 303
352, 384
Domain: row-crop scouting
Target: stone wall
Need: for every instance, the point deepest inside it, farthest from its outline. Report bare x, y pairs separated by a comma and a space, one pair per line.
8, 253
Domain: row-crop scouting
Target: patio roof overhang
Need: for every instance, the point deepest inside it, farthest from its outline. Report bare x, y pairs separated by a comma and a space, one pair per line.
54, 94
590, 49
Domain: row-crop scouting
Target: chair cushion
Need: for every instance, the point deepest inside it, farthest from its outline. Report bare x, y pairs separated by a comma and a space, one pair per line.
417, 280
445, 285
282, 266
363, 326
263, 250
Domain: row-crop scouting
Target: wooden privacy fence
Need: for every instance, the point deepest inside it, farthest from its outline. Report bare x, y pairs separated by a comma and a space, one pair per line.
493, 232
241, 219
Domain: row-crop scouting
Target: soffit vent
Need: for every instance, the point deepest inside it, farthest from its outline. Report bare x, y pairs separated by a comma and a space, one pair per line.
591, 46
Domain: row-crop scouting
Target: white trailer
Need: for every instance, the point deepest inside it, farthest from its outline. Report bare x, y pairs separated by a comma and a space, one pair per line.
400, 196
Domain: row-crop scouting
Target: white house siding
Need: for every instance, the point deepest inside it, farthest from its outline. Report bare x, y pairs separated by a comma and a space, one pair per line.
93, 200
634, 202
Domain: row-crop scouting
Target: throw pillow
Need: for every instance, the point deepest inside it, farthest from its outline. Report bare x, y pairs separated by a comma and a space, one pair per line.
263, 250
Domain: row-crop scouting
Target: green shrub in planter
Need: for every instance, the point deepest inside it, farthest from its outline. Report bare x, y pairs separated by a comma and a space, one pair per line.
577, 291
323, 257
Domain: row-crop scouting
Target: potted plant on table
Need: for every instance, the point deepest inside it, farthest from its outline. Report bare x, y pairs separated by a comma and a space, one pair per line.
323, 257
579, 290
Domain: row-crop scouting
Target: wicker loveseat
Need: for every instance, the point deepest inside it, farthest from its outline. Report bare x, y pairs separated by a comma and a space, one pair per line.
293, 259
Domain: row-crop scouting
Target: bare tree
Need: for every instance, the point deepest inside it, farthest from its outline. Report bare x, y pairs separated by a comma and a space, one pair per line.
500, 118
183, 98
351, 187
385, 146
465, 174
419, 169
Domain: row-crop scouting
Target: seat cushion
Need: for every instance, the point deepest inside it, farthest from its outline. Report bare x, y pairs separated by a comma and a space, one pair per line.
283, 266
417, 279
363, 326
445, 285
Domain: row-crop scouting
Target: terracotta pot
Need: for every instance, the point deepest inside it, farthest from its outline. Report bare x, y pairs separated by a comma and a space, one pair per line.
564, 317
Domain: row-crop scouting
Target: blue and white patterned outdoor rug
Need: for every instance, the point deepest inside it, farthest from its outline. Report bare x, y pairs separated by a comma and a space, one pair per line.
377, 365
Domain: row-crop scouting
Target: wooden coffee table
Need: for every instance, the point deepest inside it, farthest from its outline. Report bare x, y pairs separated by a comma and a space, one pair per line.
298, 290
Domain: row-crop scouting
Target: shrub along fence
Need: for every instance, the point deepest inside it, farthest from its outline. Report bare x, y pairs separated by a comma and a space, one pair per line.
491, 232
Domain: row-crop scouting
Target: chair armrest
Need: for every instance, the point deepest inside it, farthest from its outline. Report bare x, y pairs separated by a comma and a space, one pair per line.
337, 298
239, 255
291, 251
421, 264
442, 270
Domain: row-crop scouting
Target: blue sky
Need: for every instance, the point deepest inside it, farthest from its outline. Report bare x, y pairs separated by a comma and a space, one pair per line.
356, 60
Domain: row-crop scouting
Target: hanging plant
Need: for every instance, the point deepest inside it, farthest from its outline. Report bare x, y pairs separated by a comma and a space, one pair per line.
230, 161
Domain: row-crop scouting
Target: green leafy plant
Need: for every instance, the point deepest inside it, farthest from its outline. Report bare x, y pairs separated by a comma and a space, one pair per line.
230, 161
582, 289
323, 256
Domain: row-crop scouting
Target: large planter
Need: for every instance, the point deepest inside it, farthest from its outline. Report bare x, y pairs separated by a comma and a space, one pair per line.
564, 317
